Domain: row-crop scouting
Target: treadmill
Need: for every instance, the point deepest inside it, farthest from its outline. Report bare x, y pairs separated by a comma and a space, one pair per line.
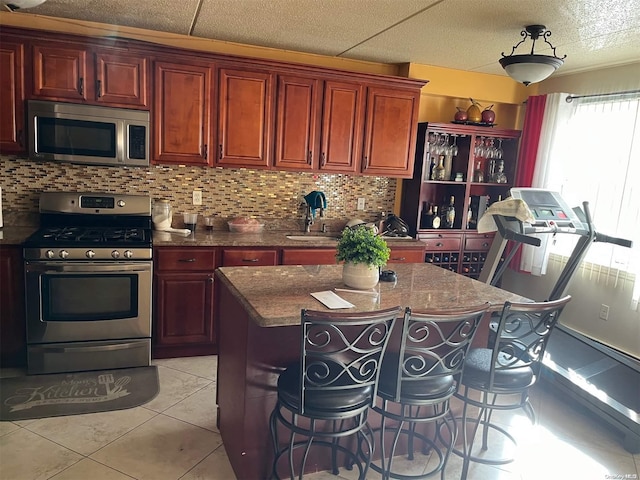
580, 366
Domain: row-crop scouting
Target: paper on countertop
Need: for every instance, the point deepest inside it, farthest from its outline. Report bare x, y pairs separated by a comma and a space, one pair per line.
331, 300
511, 207
182, 231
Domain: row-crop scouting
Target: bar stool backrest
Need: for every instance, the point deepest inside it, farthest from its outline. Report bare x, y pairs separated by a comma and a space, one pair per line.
342, 352
435, 342
522, 335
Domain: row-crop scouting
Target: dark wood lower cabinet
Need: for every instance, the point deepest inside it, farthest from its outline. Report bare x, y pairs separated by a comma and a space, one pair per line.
184, 302
13, 343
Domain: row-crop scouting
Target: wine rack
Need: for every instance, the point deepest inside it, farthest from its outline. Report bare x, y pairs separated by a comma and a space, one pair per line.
471, 181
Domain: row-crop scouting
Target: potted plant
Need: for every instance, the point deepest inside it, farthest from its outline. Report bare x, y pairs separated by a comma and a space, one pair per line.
363, 252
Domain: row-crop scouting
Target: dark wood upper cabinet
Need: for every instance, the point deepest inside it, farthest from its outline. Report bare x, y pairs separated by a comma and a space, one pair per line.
244, 118
341, 141
182, 113
104, 76
60, 72
390, 132
12, 139
121, 79
297, 123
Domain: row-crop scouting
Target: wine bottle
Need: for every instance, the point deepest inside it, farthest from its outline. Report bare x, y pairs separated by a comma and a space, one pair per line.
435, 221
450, 213
439, 170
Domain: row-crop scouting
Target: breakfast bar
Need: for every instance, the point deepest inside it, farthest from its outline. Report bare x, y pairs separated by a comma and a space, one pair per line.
258, 309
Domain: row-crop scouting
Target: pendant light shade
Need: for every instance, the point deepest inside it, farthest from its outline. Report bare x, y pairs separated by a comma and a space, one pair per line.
531, 68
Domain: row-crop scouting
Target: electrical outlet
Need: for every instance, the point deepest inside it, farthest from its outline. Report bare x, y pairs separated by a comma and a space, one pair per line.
604, 312
360, 203
197, 197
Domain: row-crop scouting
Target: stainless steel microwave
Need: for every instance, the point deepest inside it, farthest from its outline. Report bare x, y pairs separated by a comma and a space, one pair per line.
87, 134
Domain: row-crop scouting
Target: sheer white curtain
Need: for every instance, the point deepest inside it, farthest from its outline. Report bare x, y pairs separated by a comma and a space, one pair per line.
591, 152
550, 151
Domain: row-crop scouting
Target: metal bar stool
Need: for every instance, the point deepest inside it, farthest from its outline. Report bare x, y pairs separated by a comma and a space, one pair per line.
326, 396
417, 382
508, 368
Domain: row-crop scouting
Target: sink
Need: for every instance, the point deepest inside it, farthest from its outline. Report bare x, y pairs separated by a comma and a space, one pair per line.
312, 237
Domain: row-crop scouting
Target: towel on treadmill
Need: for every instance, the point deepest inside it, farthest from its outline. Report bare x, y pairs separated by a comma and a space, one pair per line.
510, 207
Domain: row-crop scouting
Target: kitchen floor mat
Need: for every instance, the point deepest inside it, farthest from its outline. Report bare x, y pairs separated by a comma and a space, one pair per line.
39, 396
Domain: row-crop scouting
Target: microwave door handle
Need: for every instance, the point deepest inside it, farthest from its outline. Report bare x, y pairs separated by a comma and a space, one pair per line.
122, 143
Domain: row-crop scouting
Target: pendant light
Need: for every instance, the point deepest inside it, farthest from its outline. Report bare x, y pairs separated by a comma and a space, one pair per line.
531, 68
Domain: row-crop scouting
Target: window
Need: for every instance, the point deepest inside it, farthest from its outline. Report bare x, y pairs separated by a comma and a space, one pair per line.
596, 158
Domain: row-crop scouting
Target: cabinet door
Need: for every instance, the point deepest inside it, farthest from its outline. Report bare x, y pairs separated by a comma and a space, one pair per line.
390, 132
343, 110
244, 123
13, 343
182, 113
121, 79
309, 256
12, 98
184, 311
297, 123
61, 72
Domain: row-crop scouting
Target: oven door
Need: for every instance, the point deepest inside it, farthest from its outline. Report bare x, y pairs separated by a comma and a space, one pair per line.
84, 301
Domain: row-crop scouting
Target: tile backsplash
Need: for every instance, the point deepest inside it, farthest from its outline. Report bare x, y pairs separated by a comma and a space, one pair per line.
272, 196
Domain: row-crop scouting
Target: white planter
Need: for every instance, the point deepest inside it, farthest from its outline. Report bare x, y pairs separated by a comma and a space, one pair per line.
360, 276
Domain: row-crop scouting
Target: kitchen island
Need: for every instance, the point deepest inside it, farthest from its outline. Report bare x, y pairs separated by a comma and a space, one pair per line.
258, 310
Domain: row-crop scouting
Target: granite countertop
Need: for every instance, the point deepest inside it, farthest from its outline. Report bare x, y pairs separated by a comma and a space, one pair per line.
15, 235
268, 238
274, 296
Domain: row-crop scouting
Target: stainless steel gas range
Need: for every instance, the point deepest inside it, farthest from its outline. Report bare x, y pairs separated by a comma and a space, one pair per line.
88, 274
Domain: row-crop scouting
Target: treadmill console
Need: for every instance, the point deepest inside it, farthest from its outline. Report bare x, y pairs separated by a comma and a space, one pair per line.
550, 211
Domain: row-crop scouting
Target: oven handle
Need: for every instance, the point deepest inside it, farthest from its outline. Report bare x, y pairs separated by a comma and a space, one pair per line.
96, 348
93, 268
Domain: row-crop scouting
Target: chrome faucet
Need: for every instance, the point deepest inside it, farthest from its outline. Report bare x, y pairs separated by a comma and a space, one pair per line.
308, 220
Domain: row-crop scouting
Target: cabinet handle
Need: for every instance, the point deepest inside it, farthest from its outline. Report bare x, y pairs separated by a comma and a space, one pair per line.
204, 151
220, 152
439, 244
187, 260
81, 85
251, 260
324, 159
99, 88
485, 244
366, 162
310, 156
210, 279
399, 259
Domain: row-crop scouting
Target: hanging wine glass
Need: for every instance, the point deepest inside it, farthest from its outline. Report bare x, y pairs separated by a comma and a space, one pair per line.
490, 148
433, 145
499, 152
454, 147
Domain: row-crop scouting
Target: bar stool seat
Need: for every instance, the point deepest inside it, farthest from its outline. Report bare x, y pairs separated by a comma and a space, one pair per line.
326, 396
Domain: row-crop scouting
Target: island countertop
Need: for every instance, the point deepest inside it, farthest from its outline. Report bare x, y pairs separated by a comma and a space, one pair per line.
274, 296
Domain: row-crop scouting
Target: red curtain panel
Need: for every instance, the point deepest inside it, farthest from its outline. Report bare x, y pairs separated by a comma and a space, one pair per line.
529, 151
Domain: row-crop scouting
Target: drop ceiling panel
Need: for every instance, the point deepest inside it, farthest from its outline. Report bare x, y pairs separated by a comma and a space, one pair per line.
461, 34
162, 15
326, 27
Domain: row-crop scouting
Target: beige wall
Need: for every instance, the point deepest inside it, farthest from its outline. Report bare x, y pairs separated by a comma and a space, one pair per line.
606, 80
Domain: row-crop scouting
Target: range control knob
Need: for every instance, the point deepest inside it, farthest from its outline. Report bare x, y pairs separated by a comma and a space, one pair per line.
128, 254
90, 254
121, 203
115, 254
49, 254
63, 254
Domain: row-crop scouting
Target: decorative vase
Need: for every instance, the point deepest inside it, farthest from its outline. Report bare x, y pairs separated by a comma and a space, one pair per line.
360, 276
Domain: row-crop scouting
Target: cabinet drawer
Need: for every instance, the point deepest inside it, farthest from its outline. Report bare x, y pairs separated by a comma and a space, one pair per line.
441, 242
406, 255
237, 258
309, 256
185, 259
480, 243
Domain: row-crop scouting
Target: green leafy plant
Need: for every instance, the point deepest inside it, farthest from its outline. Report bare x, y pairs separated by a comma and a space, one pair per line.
362, 245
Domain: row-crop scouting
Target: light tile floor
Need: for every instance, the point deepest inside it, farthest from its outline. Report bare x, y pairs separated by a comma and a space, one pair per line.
174, 436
